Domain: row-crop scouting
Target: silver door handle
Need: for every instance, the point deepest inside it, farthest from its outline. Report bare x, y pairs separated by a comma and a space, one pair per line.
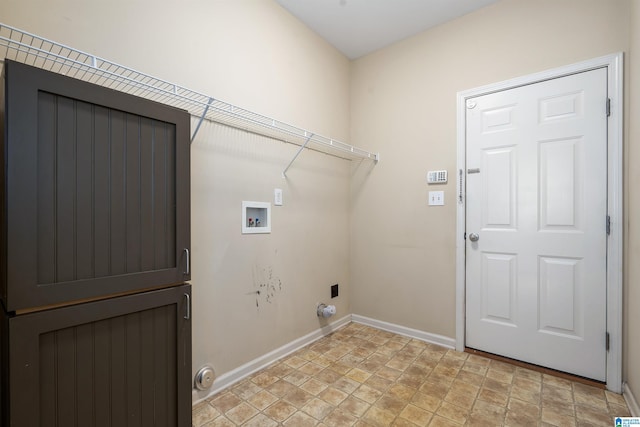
474, 237
186, 251
187, 310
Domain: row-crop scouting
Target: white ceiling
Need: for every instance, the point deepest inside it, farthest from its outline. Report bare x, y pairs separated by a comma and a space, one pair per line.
358, 27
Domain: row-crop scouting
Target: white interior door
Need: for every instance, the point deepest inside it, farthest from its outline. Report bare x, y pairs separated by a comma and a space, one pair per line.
537, 201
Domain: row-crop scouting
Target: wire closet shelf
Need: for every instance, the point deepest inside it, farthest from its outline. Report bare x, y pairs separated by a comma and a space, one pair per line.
37, 51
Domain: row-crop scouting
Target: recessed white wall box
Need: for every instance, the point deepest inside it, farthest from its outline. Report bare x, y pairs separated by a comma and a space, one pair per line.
436, 198
437, 177
256, 217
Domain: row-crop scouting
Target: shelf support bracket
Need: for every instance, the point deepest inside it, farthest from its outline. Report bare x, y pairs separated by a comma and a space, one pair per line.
284, 172
204, 113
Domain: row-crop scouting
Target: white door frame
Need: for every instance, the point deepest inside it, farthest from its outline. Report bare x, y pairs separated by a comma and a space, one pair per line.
614, 65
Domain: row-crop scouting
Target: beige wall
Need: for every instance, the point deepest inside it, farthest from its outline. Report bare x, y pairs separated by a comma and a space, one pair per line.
403, 103
367, 227
253, 54
632, 247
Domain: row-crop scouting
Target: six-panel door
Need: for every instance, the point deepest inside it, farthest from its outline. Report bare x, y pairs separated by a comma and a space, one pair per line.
537, 199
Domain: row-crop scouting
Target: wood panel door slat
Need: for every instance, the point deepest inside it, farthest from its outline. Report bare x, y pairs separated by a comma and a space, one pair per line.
97, 196
116, 362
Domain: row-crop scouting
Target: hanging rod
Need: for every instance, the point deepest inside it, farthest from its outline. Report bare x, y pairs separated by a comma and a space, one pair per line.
37, 51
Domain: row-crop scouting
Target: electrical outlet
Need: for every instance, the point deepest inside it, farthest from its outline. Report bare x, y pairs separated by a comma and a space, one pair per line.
277, 197
436, 198
334, 290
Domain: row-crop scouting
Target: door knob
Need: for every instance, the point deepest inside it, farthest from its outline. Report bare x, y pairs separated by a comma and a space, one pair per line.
474, 237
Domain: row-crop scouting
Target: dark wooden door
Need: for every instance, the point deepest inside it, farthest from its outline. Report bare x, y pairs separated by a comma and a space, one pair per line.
96, 191
118, 362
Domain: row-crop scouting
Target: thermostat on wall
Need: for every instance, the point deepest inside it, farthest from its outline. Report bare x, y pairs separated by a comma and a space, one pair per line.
437, 177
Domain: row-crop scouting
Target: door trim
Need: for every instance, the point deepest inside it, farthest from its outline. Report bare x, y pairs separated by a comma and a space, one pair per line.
614, 65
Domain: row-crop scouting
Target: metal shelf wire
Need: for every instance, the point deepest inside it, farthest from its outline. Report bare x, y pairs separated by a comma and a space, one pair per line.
37, 51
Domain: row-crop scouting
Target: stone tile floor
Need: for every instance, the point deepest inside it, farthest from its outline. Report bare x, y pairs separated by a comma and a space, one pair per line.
361, 376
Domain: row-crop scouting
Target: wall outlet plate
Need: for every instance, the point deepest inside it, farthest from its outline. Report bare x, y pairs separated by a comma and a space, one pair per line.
436, 198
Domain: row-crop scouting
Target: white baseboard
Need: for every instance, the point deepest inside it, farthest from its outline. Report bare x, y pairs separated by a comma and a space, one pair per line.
408, 332
229, 378
632, 403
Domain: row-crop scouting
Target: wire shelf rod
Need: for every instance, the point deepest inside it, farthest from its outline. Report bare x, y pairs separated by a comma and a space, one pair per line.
56, 57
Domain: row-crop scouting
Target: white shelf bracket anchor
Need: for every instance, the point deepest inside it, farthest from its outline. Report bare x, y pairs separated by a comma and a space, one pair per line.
204, 113
284, 172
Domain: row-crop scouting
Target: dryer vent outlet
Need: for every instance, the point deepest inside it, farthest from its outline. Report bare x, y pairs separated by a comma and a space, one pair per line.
204, 378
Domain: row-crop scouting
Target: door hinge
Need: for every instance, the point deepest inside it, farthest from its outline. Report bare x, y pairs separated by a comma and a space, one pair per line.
608, 107
608, 225
607, 341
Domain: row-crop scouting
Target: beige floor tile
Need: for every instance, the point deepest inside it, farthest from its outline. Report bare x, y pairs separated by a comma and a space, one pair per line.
555, 418
494, 397
556, 394
525, 394
300, 419
401, 422
426, 402
225, 402
355, 406
340, 367
378, 417
592, 416
318, 408
618, 410
363, 377
205, 414
262, 400
489, 411
297, 378
528, 374
327, 376
264, 379
391, 404
556, 382
416, 415
615, 398
281, 388
220, 422
358, 375
241, 413
435, 389
313, 386
438, 421
499, 375
346, 385
389, 373
593, 400
298, 398
310, 368
379, 383
260, 420
280, 411
339, 418
453, 412
333, 396
294, 362
461, 400
367, 394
